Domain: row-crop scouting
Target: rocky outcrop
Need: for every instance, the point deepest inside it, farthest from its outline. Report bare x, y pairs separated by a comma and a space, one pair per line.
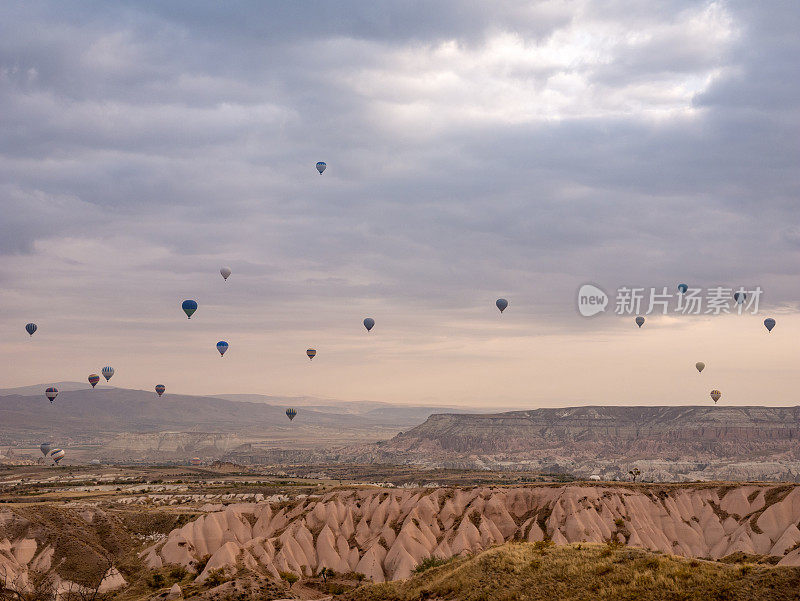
386, 534
668, 443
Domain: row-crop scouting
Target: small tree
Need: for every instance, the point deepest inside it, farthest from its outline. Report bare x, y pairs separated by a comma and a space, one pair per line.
634, 473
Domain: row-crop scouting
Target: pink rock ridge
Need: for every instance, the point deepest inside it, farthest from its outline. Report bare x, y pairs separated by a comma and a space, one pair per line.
386, 534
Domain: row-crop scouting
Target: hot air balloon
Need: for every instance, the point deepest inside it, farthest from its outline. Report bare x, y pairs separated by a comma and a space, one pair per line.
290, 413
715, 395
682, 288
739, 297
769, 323
222, 346
225, 272
369, 323
107, 372
189, 307
51, 393
94, 379
56, 455
311, 353
700, 366
640, 321
45, 448
501, 304
31, 328
160, 388
321, 167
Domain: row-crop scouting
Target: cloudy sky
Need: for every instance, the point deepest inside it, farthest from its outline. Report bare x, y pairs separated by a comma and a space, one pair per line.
475, 150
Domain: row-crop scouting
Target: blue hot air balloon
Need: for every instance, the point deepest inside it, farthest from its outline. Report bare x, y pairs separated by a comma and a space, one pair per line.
290, 413
222, 346
501, 304
321, 167
51, 393
769, 323
369, 323
160, 388
640, 321
30, 328
682, 288
107, 372
311, 353
189, 307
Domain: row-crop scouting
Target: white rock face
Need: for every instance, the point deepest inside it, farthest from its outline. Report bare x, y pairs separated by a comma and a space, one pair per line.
385, 534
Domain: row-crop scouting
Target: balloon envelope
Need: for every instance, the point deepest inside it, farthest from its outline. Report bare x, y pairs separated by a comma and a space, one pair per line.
189, 307
311, 353
682, 288
51, 393
700, 366
160, 388
225, 272
321, 167
45, 448
30, 328
501, 304
640, 321
739, 297
93, 379
369, 323
222, 346
769, 323
290, 413
56, 455
107, 372
716, 395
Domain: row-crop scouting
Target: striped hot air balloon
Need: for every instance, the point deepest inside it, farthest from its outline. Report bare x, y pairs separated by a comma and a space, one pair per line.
94, 379
107, 372
31, 328
715, 395
160, 388
51, 393
311, 353
290, 413
321, 166
56, 455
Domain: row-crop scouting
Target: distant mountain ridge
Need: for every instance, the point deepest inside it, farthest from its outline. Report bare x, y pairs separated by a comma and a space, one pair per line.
684, 442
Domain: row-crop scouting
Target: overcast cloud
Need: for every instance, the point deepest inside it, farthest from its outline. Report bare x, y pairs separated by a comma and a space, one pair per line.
474, 150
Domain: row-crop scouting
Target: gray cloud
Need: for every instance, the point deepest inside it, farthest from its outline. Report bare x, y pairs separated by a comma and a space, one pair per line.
472, 152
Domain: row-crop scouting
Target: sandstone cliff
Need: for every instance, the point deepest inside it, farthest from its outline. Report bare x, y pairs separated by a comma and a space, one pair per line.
666, 443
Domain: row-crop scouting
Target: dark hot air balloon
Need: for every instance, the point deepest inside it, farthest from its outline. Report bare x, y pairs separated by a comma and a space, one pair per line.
769, 323
290, 413
321, 167
311, 353
160, 388
640, 321
51, 393
501, 304
369, 323
31, 328
189, 307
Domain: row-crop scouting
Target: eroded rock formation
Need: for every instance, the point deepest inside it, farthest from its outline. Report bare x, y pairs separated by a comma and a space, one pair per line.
385, 534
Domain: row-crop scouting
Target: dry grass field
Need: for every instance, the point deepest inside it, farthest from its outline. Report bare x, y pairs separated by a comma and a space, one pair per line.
541, 571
